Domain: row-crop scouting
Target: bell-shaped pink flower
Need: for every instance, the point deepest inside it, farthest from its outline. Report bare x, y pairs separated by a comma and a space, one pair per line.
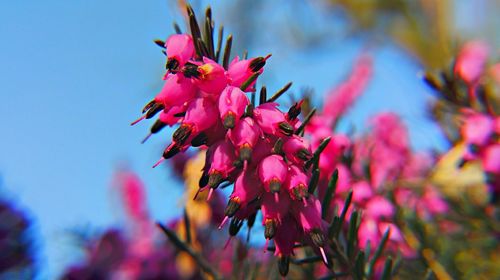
297, 149
232, 104
477, 128
471, 60
171, 117
309, 214
271, 120
340, 99
240, 70
272, 210
245, 136
296, 184
211, 77
272, 173
179, 49
361, 192
201, 114
379, 207
491, 159
286, 235
176, 91
222, 158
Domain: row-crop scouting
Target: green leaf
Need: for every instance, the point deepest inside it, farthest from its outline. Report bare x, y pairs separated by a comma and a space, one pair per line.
227, 51
280, 92
305, 122
313, 182
249, 81
386, 274
378, 252
352, 236
330, 191
187, 227
359, 266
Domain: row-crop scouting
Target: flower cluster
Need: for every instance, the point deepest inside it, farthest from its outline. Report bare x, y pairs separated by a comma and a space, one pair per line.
372, 167
258, 148
470, 89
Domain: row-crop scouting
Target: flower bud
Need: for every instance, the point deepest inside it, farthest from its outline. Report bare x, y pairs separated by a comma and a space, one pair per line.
271, 120
297, 150
273, 172
177, 90
232, 104
179, 49
212, 77
201, 114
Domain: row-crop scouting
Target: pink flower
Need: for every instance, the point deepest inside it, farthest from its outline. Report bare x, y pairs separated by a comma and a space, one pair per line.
201, 114
491, 159
171, 117
272, 210
272, 173
308, 214
133, 194
296, 184
180, 49
471, 60
221, 162
343, 96
240, 70
379, 207
211, 77
286, 235
245, 136
431, 203
176, 91
232, 105
297, 149
361, 192
271, 120
477, 128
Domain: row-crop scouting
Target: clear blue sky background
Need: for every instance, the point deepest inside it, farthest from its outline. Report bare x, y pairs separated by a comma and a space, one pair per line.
73, 74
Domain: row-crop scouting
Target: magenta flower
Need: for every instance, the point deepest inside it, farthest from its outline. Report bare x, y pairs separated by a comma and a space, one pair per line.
240, 70
343, 96
201, 114
221, 156
176, 91
477, 128
297, 183
379, 207
297, 149
179, 49
491, 159
272, 173
244, 137
471, 61
232, 104
271, 120
210, 77
286, 235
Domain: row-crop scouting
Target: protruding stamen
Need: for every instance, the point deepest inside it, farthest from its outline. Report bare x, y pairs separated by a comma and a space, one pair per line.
276, 197
210, 192
146, 138
266, 244
158, 162
227, 242
304, 200
224, 221
138, 120
323, 255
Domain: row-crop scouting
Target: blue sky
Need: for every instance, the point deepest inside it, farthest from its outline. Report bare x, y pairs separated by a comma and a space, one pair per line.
73, 74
